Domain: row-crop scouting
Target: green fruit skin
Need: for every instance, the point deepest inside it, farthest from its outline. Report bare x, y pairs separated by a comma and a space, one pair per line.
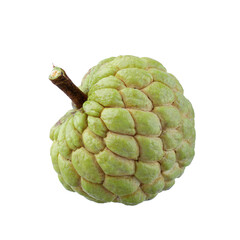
131, 139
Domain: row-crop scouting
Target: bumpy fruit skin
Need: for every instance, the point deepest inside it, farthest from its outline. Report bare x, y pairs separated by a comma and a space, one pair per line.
131, 139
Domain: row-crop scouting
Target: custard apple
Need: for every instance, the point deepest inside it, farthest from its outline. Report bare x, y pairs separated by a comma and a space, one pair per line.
130, 134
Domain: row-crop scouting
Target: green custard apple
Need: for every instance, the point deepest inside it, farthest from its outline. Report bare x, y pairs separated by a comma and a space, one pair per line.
130, 134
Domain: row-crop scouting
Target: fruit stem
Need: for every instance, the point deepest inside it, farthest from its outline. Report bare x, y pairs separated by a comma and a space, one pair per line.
59, 78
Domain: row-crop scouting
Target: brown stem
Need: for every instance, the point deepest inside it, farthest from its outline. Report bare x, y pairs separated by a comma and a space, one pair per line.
62, 81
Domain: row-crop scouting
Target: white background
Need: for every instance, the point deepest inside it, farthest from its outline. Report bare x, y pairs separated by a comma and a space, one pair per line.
198, 41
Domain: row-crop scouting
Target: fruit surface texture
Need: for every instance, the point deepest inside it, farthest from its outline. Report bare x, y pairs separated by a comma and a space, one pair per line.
132, 137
